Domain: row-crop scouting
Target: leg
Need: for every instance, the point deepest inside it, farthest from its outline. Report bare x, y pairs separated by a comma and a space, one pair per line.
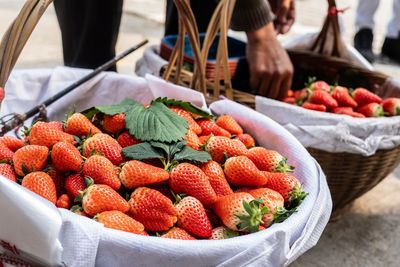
89, 30
394, 24
391, 45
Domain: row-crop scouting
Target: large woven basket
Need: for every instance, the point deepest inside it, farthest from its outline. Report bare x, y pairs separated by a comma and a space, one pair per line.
349, 175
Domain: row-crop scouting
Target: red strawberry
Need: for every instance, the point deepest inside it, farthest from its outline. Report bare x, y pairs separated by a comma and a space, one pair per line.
312, 106
114, 124
217, 178
41, 184
188, 117
192, 217
8, 172
240, 212
363, 97
74, 184
79, 125
100, 197
44, 134
214, 219
371, 110
301, 95
342, 96
323, 98
178, 233
115, 219
347, 111
221, 147
5, 153
102, 171
63, 202
57, 178
2, 94
228, 123
30, 158
135, 173
209, 127
163, 188
320, 85
286, 185
105, 145
241, 171
192, 139
154, 210
56, 125
246, 139
391, 106
338, 110
125, 139
12, 142
203, 139
191, 180
290, 100
66, 157
79, 211
222, 232
268, 160
290, 93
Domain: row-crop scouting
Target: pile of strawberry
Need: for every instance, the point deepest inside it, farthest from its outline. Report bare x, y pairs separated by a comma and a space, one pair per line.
358, 103
165, 169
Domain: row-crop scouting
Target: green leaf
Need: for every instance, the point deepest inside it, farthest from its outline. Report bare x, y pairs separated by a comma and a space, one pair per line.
170, 149
123, 106
90, 112
185, 105
142, 151
188, 153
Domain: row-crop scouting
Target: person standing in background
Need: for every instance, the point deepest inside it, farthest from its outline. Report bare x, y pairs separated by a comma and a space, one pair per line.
365, 26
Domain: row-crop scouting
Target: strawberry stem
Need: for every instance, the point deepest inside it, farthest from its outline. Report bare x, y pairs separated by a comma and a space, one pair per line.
296, 197
284, 167
251, 222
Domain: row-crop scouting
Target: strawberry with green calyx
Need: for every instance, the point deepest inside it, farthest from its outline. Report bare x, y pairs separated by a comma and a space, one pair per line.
114, 124
241, 171
135, 173
151, 208
371, 110
322, 98
125, 139
246, 139
320, 85
391, 106
115, 219
343, 97
221, 147
12, 142
268, 160
102, 171
222, 232
216, 177
79, 210
79, 125
30, 158
63, 202
178, 233
363, 97
210, 127
5, 153
193, 126
105, 145
228, 123
240, 212
203, 140
301, 96
44, 134
8, 171
74, 185
315, 107
195, 111
41, 184
66, 157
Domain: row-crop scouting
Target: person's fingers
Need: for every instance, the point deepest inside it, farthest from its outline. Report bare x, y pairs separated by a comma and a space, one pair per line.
255, 80
275, 86
264, 88
285, 86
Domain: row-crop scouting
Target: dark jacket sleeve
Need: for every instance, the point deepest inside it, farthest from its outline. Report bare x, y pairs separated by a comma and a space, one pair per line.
250, 15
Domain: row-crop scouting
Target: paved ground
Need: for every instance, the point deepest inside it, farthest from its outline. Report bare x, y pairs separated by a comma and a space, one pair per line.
369, 235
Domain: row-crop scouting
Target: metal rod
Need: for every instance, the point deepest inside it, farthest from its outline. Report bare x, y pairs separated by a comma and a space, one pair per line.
30, 113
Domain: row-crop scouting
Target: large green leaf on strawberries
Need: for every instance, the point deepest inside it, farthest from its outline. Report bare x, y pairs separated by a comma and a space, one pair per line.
185, 105
142, 151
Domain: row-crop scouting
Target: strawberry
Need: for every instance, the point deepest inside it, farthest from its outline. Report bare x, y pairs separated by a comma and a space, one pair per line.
74, 184
391, 106
347, 111
44, 134
290, 93
323, 98
268, 160
57, 178
154, 210
105, 145
290, 100
79, 211
125, 139
102, 171
178, 233
342, 96
5, 153
66, 157
246, 139
203, 139
222, 232
221, 147
339, 110
209, 127
63, 202
41, 184
135, 173
320, 85
240, 212
312, 106
12, 142
192, 217
241, 171
216, 177
8, 172
56, 125
287, 185
301, 95
191, 180
363, 97
163, 188
188, 117
79, 125
228, 123
115, 219
114, 124
30, 158
371, 110
192, 140
100, 197
2, 94
214, 219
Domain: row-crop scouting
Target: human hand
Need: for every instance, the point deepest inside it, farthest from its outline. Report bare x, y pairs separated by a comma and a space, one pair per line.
284, 11
271, 70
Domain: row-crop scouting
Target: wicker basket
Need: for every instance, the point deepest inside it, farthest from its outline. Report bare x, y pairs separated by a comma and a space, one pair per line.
349, 175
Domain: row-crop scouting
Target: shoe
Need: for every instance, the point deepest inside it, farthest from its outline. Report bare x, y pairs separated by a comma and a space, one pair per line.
363, 43
391, 48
